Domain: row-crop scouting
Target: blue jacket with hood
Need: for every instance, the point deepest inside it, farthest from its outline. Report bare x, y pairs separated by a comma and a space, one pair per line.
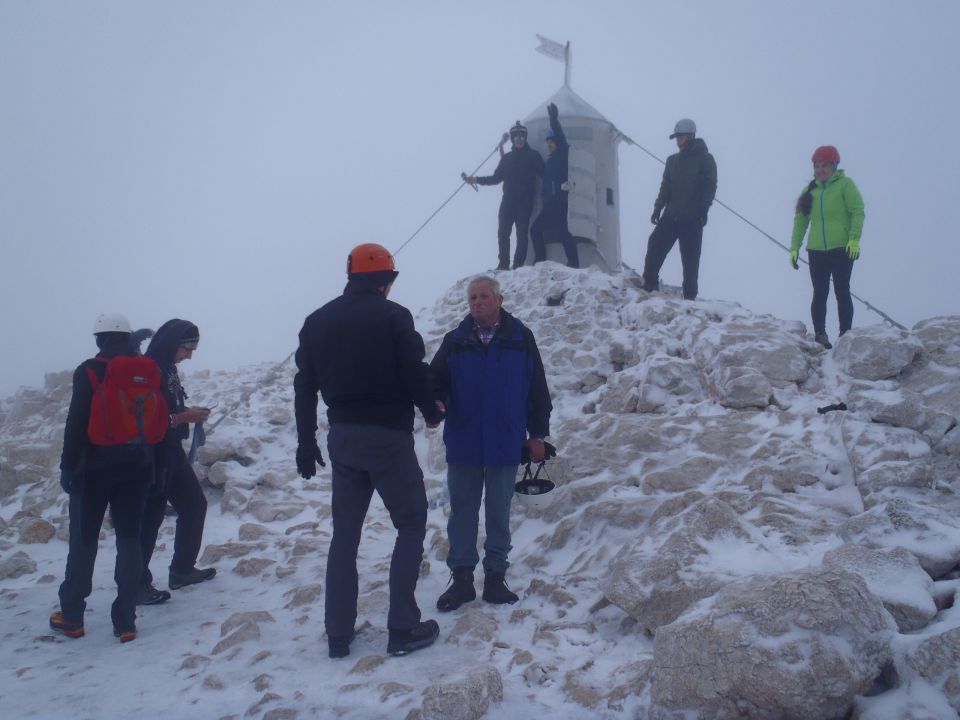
494, 395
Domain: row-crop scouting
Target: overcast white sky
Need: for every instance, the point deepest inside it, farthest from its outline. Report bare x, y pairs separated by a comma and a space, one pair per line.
217, 160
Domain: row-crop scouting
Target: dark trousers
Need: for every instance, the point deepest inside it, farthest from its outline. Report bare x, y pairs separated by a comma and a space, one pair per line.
689, 232
181, 489
825, 264
367, 458
513, 213
123, 488
551, 226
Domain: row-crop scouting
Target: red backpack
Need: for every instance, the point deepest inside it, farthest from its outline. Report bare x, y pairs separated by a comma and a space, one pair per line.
127, 406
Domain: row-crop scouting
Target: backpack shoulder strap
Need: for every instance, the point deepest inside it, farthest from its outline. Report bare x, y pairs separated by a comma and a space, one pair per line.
95, 377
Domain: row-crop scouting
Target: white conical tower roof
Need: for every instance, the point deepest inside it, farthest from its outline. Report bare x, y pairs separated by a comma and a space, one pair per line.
571, 105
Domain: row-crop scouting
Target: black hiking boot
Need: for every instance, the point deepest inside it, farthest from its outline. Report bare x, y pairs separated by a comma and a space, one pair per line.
191, 577
149, 595
402, 642
495, 590
460, 592
822, 338
338, 647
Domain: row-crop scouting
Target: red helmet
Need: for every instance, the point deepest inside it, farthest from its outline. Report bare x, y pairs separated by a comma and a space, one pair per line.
369, 258
826, 153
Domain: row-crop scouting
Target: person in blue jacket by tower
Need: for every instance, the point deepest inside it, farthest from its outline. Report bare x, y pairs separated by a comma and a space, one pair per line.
552, 219
489, 375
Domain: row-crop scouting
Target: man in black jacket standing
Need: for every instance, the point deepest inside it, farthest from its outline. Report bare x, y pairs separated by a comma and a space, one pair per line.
686, 192
518, 171
363, 355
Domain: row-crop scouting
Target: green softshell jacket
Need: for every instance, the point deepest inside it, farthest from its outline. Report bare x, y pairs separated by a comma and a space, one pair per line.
835, 218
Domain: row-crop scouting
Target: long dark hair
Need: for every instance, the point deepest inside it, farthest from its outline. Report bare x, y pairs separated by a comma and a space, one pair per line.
805, 201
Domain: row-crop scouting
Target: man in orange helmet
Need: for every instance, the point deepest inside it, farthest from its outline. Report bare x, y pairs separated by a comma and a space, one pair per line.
363, 355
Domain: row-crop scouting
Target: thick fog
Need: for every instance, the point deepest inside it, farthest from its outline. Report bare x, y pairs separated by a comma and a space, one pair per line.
216, 161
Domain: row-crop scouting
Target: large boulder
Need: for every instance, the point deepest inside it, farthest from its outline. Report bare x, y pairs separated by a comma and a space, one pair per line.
937, 660
464, 698
875, 352
791, 646
894, 576
670, 565
932, 535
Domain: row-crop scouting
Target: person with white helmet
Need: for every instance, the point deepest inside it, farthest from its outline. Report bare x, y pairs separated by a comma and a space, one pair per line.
97, 475
518, 171
832, 207
687, 191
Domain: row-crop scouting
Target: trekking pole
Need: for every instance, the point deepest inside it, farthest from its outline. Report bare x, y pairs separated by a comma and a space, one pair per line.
463, 177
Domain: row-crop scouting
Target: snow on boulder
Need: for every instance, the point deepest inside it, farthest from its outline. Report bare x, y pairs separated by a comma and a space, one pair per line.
927, 531
894, 576
680, 560
937, 660
875, 352
902, 408
796, 645
761, 344
466, 698
738, 387
941, 339
16, 565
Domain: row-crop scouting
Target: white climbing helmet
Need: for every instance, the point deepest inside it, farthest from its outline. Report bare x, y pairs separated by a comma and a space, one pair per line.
111, 322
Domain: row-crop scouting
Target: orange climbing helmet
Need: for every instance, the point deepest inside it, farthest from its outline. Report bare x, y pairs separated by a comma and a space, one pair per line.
369, 258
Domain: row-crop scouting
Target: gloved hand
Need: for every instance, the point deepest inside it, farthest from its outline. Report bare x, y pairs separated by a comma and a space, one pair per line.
794, 256
504, 139
307, 457
853, 249
70, 480
552, 111
655, 218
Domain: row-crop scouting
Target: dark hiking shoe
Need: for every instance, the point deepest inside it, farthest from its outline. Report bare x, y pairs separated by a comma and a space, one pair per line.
495, 590
339, 647
71, 629
149, 595
191, 577
402, 642
823, 340
460, 592
125, 635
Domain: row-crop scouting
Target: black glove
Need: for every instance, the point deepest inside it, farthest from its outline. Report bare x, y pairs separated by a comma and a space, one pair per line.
552, 111
71, 480
307, 457
655, 218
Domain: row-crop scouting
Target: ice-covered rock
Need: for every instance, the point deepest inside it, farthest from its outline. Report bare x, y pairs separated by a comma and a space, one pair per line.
466, 698
790, 646
875, 352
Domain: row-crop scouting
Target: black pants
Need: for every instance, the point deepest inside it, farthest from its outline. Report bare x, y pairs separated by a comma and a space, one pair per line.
367, 458
551, 226
182, 489
823, 265
689, 231
123, 488
513, 213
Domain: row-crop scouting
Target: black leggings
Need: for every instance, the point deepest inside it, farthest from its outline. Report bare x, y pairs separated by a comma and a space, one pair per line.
823, 265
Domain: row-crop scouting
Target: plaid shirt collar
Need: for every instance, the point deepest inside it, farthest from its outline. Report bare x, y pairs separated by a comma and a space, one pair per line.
486, 334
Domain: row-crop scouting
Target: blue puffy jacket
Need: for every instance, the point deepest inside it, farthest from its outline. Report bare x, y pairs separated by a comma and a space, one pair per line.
495, 395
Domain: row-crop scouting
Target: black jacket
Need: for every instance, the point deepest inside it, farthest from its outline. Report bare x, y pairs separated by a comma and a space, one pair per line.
689, 183
518, 171
78, 452
163, 349
362, 353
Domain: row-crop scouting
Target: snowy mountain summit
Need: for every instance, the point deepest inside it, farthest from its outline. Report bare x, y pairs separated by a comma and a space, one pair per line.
744, 525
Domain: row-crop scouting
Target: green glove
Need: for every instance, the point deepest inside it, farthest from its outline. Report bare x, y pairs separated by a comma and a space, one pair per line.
853, 249
794, 256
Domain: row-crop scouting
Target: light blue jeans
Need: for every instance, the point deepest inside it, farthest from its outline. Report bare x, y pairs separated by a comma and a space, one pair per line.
466, 485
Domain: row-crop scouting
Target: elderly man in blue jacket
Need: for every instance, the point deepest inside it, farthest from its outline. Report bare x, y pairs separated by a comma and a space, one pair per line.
490, 376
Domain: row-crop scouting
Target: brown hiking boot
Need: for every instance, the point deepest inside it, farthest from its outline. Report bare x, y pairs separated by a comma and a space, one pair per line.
69, 628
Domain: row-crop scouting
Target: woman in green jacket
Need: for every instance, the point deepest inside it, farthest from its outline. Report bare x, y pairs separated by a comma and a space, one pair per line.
832, 207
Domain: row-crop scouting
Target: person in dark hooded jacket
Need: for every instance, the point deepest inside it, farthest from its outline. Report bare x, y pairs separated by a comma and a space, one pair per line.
686, 192
518, 171
552, 220
98, 476
174, 342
